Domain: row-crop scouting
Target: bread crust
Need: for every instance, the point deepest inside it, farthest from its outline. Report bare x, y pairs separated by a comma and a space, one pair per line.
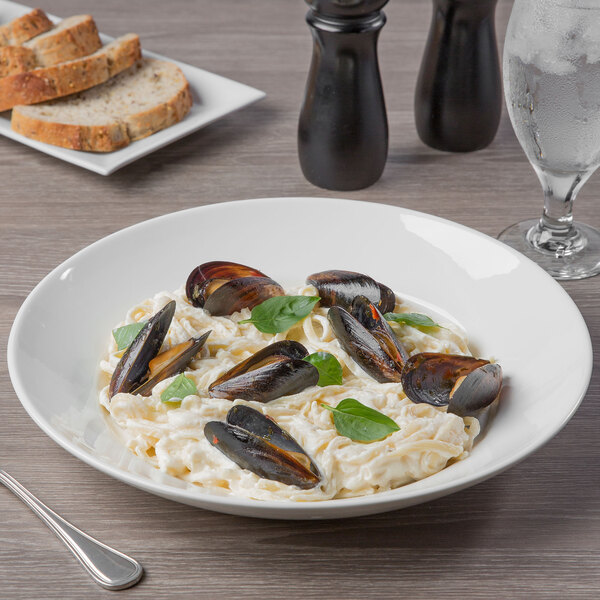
70, 77
98, 138
16, 59
112, 135
24, 28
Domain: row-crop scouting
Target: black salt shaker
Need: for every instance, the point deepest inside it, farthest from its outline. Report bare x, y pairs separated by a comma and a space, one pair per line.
343, 132
458, 99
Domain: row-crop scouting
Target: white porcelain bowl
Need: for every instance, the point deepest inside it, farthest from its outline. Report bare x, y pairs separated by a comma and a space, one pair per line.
510, 308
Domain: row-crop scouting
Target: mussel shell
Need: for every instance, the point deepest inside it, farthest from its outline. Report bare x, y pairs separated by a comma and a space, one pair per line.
265, 459
283, 376
288, 348
177, 365
432, 378
133, 365
216, 269
362, 346
477, 390
245, 292
339, 288
255, 422
367, 314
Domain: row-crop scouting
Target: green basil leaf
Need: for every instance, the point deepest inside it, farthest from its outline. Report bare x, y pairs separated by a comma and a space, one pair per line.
359, 422
126, 334
179, 388
330, 370
412, 319
279, 313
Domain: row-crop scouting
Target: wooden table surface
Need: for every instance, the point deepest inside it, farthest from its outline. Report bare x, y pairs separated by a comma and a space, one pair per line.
532, 532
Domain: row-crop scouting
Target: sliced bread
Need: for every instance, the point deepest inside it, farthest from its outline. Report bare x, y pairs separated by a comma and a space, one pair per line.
151, 95
24, 28
69, 77
71, 38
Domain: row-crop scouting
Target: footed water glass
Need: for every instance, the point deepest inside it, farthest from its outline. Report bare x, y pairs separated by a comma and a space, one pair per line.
552, 89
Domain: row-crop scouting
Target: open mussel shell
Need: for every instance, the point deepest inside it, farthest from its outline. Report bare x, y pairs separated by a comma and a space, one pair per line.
463, 383
367, 314
364, 347
339, 288
477, 390
133, 366
226, 297
258, 444
274, 371
171, 362
219, 270
285, 348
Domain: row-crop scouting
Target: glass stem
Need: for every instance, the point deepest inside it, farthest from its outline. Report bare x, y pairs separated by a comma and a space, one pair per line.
559, 195
555, 232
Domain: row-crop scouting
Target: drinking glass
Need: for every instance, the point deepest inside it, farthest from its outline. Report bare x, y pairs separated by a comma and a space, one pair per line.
552, 89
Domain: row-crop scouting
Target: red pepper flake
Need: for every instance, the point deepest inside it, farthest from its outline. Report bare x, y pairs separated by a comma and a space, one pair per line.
215, 440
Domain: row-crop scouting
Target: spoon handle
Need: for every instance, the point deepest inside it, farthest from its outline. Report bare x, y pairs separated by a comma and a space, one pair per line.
109, 568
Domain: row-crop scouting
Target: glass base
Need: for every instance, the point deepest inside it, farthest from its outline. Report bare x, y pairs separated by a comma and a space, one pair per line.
572, 256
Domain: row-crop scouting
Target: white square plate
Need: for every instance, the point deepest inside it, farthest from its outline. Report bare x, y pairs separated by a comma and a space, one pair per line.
214, 97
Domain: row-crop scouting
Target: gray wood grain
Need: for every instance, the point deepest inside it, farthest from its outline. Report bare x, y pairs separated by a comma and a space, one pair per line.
532, 532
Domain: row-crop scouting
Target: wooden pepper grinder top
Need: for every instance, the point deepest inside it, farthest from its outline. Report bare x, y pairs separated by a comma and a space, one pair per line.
458, 99
343, 132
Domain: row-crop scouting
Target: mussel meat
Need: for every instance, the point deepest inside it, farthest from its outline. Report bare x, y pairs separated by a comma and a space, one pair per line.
171, 362
463, 383
274, 371
366, 336
339, 288
141, 367
222, 288
256, 443
133, 366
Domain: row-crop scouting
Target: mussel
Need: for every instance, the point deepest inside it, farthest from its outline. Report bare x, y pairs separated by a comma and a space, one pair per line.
366, 336
141, 367
171, 362
274, 371
256, 443
463, 383
339, 288
222, 288
133, 365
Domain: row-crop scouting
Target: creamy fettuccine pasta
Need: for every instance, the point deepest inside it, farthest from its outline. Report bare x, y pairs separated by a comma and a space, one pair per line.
170, 436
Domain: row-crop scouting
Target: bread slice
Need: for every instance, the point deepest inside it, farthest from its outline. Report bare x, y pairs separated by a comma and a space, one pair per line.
72, 38
24, 28
69, 77
151, 95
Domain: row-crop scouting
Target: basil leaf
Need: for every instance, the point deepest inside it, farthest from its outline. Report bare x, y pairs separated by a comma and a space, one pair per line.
279, 313
412, 319
179, 388
330, 370
126, 334
359, 422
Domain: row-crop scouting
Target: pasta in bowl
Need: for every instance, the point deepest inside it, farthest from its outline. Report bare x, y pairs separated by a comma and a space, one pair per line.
171, 421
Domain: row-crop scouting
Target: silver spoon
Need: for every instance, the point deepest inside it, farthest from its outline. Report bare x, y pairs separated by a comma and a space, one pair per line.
108, 568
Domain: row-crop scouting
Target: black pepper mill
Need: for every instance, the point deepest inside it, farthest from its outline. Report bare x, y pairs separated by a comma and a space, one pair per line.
343, 133
458, 99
